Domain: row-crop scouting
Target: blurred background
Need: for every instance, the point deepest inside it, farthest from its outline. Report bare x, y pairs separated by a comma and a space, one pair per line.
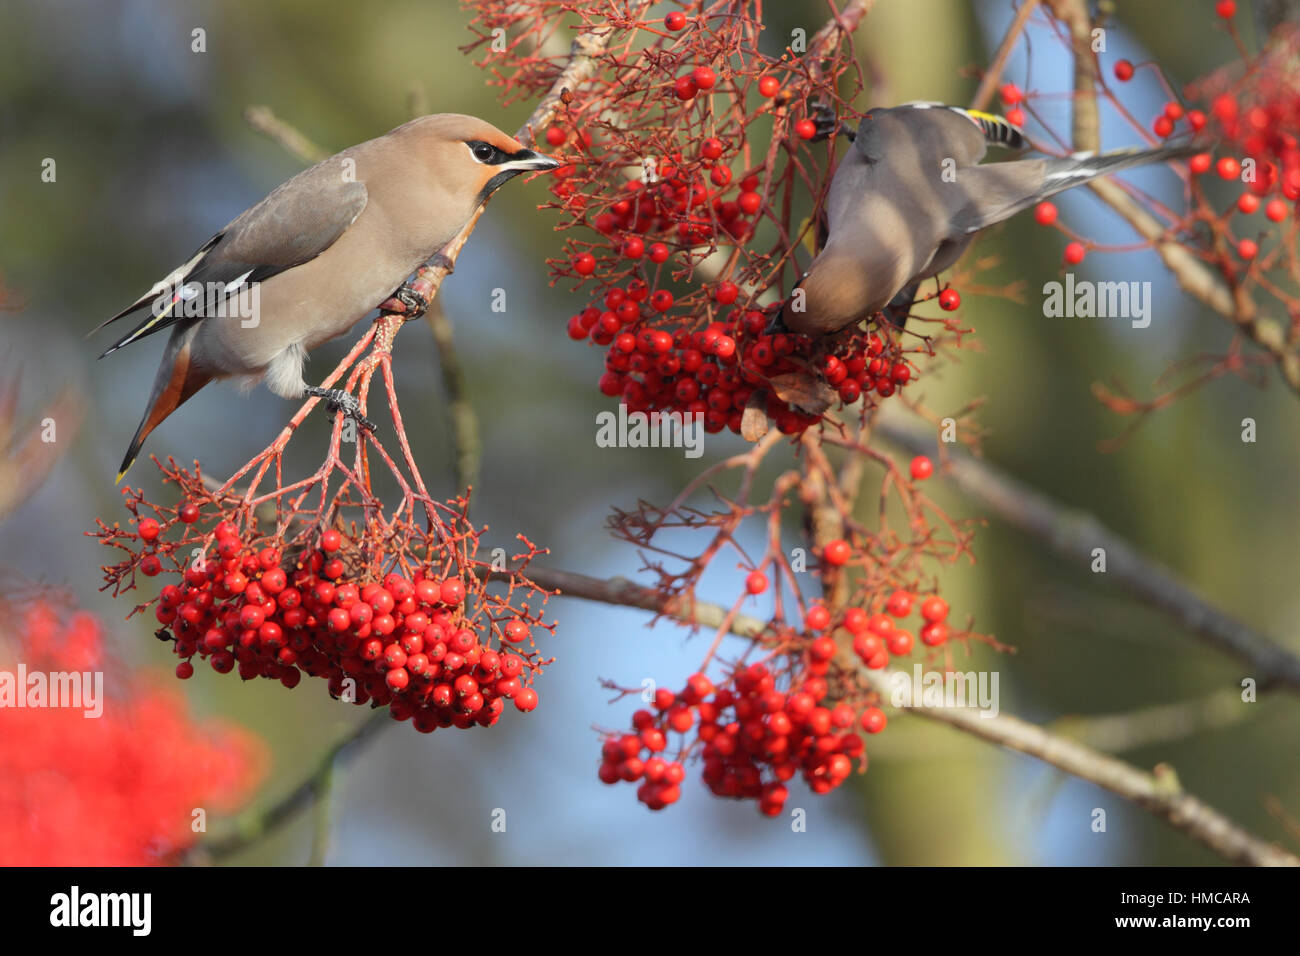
153, 156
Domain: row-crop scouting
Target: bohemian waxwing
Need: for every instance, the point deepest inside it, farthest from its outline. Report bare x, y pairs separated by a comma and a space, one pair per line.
305, 264
910, 195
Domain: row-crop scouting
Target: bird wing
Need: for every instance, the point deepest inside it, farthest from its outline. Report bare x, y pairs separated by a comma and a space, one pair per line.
934, 130
294, 224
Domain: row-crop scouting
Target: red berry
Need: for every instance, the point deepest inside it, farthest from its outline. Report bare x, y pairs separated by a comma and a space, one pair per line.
769, 86
331, 540
899, 604
805, 129
817, 618
837, 552
711, 148
555, 136
1045, 213
633, 247
949, 300
934, 608
676, 20
1199, 164
873, 720
922, 468
932, 635
148, 529
584, 264
150, 566
1276, 209
756, 582
526, 700
1228, 168
1016, 117
685, 88
1247, 248
899, 643
704, 77
451, 592
1123, 71
1227, 9
1163, 126
188, 513
1011, 94
1074, 253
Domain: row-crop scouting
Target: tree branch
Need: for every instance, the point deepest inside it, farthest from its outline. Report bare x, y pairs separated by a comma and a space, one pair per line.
1073, 534
1157, 793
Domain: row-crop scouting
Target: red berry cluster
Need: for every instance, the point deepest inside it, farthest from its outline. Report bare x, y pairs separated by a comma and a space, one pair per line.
876, 636
403, 642
752, 737
717, 371
118, 790
678, 179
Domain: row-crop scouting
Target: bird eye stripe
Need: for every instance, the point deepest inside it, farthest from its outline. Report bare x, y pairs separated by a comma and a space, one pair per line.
486, 153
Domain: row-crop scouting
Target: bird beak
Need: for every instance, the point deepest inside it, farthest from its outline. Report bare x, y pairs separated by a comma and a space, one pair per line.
528, 159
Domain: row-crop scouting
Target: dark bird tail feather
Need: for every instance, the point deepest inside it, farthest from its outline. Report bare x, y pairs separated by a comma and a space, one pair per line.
1000, 190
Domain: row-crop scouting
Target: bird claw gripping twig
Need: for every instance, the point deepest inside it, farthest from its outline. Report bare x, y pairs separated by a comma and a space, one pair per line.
337, 400
827, 123
413, 302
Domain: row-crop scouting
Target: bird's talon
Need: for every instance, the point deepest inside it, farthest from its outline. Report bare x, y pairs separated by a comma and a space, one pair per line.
412, 300
337, 400
826, 122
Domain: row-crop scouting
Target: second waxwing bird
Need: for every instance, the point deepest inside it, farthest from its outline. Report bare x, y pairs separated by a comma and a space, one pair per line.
320, 252
910, 195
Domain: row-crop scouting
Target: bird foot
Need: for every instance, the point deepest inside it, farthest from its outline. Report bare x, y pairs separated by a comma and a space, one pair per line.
827, 123
337, 400
407, 300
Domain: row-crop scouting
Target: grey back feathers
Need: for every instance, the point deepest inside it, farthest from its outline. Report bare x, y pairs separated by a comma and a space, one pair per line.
910, 195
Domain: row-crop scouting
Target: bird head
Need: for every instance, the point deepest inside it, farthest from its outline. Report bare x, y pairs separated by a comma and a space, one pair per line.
476, 156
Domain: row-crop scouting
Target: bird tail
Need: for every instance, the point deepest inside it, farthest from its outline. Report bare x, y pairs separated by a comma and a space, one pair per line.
1000, 190
175, 382
1081, 167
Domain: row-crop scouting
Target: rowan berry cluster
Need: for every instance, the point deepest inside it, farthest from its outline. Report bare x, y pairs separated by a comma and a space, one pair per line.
797, 713
685, 154
425, 637
144, 764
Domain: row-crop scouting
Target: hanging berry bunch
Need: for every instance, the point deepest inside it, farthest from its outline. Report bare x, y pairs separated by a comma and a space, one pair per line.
690, 195
793, 702
317, 577
143, 763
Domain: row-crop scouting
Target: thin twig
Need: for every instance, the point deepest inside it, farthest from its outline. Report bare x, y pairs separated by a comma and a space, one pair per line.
989, 83
258, 823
